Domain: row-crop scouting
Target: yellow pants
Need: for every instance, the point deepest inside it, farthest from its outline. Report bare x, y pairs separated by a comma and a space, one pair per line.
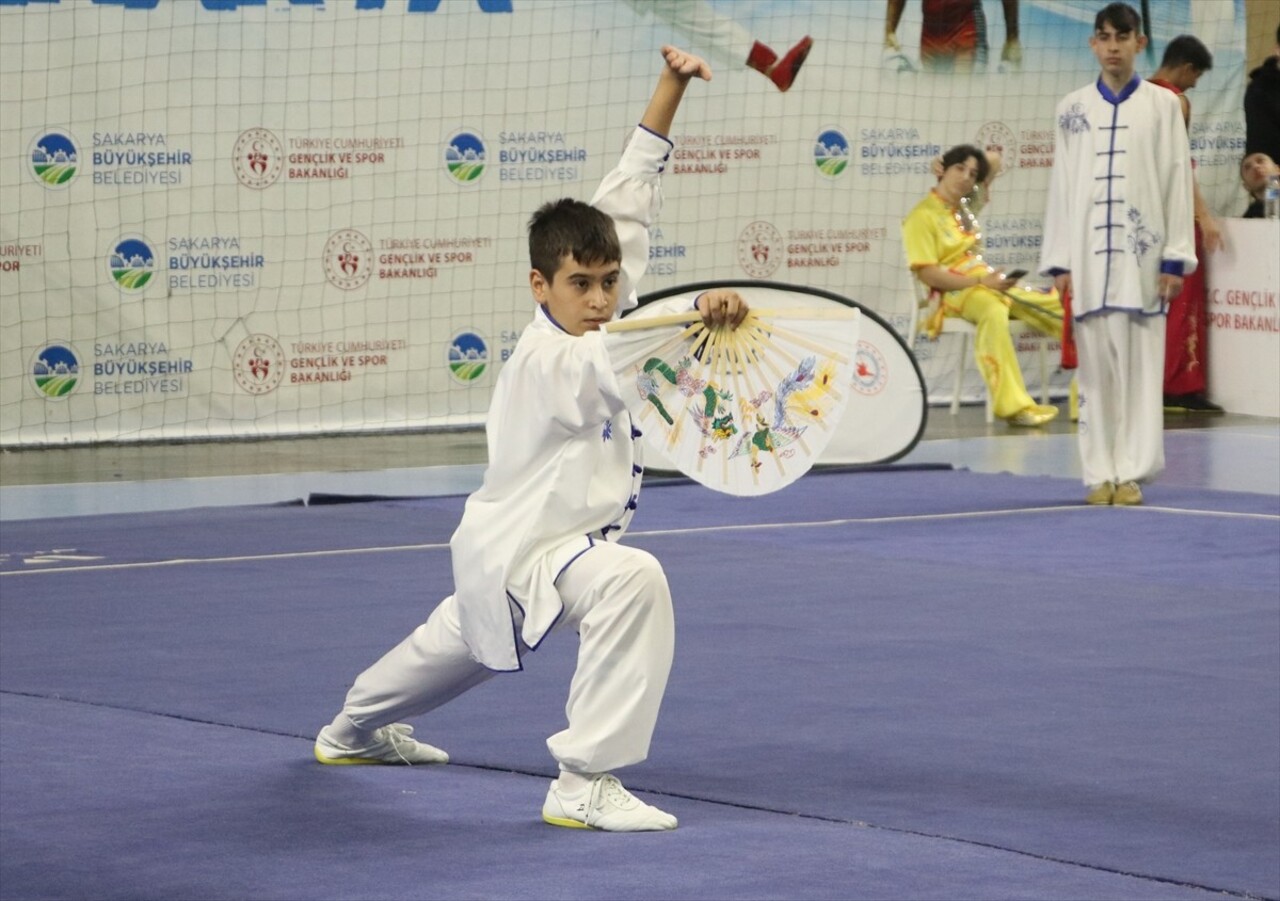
993, 347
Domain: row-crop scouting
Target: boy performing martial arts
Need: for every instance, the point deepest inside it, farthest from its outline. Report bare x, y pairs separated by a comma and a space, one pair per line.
536, 548
1118, 234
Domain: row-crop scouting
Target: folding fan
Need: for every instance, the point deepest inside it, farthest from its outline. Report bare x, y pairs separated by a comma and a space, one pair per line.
745, 411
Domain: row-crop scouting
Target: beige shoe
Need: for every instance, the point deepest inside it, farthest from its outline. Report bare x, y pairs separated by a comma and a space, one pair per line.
1100, 495
1034, 415
1128, 494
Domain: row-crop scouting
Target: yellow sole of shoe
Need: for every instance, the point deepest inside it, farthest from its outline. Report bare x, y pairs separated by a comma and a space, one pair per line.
344, 761
565, 822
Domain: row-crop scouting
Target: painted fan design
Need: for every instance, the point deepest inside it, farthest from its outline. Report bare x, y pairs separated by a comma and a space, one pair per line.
745, 411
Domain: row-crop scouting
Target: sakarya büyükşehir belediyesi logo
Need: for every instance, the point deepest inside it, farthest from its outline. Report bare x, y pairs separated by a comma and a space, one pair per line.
55, 158
132, 262
55, 369
468, 356
831, 152
464, 157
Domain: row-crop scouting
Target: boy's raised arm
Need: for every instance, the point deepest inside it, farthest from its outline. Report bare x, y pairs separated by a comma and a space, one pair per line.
680, 67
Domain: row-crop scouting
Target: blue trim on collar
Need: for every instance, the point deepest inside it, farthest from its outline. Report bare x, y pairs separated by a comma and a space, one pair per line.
1125, 92
551, 319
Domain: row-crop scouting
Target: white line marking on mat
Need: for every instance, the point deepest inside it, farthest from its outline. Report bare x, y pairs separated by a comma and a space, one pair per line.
740, 527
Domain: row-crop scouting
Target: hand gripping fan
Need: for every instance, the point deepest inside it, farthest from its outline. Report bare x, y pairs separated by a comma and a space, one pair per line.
744, 411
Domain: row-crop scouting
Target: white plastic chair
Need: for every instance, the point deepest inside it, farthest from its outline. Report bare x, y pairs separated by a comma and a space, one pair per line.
953, 325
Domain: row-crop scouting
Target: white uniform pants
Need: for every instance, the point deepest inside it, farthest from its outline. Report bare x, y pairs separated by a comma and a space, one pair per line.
618, 600
713, 34
1121, 384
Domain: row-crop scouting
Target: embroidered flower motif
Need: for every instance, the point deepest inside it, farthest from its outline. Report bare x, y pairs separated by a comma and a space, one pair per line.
1074, 121
1142, 240
686, 382
607, 433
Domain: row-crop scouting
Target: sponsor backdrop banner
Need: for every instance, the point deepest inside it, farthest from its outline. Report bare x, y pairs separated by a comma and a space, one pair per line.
273, 217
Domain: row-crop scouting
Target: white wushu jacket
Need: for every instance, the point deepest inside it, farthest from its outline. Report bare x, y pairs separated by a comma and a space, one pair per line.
1120, 208
564, 457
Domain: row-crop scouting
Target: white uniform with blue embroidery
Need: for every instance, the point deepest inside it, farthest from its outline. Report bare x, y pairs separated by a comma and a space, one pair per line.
535, 548
1119, 214
1120, 197
564, 464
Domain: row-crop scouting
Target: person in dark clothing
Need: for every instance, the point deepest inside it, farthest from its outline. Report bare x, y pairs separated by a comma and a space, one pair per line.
1262, 107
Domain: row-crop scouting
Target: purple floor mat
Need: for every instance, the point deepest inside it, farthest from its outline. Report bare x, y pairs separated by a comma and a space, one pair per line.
161, 808
1093, 686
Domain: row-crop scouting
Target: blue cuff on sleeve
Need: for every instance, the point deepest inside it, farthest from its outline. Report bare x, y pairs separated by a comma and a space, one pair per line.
1171, 267
1055, 272
660, 137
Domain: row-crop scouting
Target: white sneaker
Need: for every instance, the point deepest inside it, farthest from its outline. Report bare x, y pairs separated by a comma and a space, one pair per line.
390, 744
604, 805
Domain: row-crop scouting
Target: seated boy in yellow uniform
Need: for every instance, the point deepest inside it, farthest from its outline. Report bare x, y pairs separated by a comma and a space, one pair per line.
944, 249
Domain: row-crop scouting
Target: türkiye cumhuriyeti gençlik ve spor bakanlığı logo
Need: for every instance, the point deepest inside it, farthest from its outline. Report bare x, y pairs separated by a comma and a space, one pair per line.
258, 158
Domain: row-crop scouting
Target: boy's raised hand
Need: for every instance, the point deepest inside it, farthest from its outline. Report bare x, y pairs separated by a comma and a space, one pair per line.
679, 69
686, 65
722, 306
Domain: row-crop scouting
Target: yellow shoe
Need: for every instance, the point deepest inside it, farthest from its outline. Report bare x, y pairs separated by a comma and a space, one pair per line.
1034, 415
1128, 494
1100, 495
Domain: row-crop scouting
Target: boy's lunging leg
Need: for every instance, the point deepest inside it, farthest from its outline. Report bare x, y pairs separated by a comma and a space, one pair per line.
429, 668
618, 599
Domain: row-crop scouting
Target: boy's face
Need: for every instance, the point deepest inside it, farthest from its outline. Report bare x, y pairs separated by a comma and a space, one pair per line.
1255, 169
579, 297
958, 180
1116, 50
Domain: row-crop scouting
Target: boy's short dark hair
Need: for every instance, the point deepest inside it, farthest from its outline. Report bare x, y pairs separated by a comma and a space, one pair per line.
1187, 49
962, 152
569, 227
1120, 16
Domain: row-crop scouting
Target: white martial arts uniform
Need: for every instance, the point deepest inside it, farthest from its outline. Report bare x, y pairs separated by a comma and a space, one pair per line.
534, 548
719, 36
1119, 214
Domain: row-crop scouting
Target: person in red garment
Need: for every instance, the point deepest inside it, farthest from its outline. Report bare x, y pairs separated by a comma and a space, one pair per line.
1186, 330
953, 35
